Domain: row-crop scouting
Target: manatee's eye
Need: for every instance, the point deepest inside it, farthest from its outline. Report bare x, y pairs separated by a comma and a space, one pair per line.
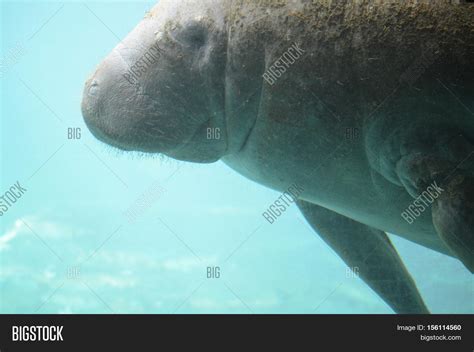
194, 35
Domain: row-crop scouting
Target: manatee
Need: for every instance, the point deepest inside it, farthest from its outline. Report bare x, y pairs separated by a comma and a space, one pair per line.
366, 106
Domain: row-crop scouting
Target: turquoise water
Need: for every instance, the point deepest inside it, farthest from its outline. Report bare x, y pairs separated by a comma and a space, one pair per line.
67, 245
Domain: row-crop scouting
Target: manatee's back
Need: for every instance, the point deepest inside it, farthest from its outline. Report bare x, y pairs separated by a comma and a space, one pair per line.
357, 51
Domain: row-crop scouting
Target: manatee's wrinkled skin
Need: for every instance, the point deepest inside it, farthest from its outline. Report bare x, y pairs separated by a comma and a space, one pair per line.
379, 106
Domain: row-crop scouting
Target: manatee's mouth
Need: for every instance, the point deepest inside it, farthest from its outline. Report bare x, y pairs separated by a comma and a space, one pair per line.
142, 135
132, 124
91, 112
123, 115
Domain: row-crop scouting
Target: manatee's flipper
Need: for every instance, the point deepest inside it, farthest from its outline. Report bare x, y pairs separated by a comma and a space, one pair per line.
449, 186
453, 218
370, 251
424, 141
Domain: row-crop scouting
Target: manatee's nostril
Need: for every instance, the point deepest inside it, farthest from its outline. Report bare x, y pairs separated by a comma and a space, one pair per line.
93, 87
90, 101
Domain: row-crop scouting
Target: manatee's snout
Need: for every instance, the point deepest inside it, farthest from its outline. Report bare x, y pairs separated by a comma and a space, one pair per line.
130, 110
91, 108
106, 103
161, 90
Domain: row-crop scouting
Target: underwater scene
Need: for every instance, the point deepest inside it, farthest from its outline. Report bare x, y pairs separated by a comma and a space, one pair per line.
199, 164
